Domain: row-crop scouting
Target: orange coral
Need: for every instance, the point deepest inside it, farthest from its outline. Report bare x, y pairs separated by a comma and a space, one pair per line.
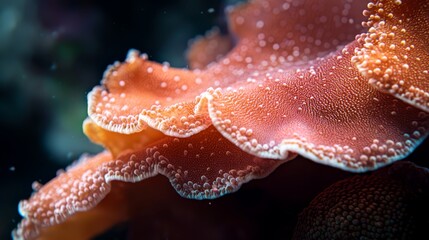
295, 82
394, 53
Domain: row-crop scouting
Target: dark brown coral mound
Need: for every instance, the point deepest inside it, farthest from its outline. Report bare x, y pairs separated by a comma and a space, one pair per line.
387, 204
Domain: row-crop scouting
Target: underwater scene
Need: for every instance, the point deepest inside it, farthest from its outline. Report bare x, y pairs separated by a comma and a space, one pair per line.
221, 119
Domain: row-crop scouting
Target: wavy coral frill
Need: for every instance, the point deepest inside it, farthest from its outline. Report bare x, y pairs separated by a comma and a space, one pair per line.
204, 166
304, 77
394, 54
301, 82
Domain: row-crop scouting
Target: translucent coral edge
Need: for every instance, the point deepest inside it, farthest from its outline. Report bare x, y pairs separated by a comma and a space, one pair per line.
227, 188
288, 149
131, 56
413, 102
295, 147
58, 218
111, 127
143, 121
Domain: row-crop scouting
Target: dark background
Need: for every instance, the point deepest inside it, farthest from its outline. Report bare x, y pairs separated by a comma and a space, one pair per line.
54, 52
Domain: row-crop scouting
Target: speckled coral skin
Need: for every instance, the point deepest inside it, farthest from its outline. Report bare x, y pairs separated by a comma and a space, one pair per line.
217, 168
304, 81
394, 53
277, 93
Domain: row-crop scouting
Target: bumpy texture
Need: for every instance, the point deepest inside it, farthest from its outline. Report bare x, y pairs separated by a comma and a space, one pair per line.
204, 166
388, 204
294, 77
394, 53
308, 82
